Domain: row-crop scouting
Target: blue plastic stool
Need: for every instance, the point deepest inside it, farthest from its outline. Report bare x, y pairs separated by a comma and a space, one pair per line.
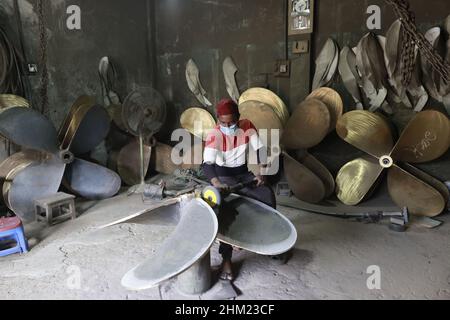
12, 229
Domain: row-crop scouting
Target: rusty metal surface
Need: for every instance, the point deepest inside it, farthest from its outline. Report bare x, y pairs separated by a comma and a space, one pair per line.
308, 125
332, 100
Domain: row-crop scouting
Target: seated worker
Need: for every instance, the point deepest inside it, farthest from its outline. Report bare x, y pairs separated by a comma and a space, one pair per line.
225, 163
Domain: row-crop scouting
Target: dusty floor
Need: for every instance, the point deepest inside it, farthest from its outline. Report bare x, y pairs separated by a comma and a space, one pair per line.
330, 260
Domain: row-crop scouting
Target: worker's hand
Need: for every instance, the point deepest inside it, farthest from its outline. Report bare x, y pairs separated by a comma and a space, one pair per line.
260, 180
219, 185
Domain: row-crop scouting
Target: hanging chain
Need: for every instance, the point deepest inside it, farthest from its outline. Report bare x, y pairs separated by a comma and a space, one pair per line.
412, 37
43, 58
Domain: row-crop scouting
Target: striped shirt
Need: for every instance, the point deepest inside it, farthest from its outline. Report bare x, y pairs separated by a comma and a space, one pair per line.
229, 153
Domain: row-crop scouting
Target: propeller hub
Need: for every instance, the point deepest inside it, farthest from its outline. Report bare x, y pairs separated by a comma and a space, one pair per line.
386, 162
66, 156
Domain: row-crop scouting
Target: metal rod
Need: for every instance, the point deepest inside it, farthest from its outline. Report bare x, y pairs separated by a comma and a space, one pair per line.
141, 154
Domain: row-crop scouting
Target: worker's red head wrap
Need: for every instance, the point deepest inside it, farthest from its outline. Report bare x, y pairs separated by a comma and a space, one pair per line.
227, 106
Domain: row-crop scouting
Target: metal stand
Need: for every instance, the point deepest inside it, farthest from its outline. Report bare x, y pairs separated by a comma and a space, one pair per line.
139, 188
197, 279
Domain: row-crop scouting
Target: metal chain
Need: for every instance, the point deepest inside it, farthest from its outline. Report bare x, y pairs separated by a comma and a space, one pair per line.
411, 37
43, 58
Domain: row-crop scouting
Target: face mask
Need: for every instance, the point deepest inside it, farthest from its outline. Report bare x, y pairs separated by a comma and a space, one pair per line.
229, 131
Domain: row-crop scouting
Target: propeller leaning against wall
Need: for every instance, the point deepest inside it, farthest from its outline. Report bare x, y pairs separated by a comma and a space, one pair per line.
426, 137
311, 121
47, 158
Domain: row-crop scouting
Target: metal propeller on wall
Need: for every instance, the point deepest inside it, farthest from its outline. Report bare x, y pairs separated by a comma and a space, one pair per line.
311, 121
425, 138
48, 157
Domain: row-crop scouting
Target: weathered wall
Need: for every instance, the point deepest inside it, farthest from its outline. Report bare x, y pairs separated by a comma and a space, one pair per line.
113, 28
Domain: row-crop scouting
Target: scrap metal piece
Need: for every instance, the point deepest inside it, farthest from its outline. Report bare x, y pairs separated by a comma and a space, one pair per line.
356, 179
326, 64
426, 137
194, 84
128, 162
269, 98
253, 226
90, 180
348, 75
332, 100
408, 191
229, 71
198, 224
302, 181
28, 128
366, 131
200, 117
370, 62
308, 125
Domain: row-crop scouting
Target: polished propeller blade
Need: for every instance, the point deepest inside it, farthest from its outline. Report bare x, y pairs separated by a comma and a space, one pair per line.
264, 118
308, 125
269, 98
408, 191
10, 100
305, 185
332, 100
356, 179
90, 180
426, 138
37, 180
85, 126
28, 128
366, 131
190, 241
129, 162
197, 121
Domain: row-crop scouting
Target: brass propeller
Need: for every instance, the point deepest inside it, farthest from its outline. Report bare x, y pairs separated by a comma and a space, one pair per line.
424, 139
39, 173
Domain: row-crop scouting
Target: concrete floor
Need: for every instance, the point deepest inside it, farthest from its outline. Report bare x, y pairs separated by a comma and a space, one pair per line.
330, 261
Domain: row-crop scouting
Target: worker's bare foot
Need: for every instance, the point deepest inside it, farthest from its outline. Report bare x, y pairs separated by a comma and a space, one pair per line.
227, 271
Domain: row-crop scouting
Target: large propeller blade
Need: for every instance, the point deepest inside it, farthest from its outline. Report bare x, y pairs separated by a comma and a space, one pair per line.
34, 181
308, 125
90, 180
366, 131
356, 179
192, 238
28, 128
426, 138
332, 100
408, 191
302, 181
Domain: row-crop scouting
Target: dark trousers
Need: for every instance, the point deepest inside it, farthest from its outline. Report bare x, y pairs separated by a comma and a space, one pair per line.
264, 194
